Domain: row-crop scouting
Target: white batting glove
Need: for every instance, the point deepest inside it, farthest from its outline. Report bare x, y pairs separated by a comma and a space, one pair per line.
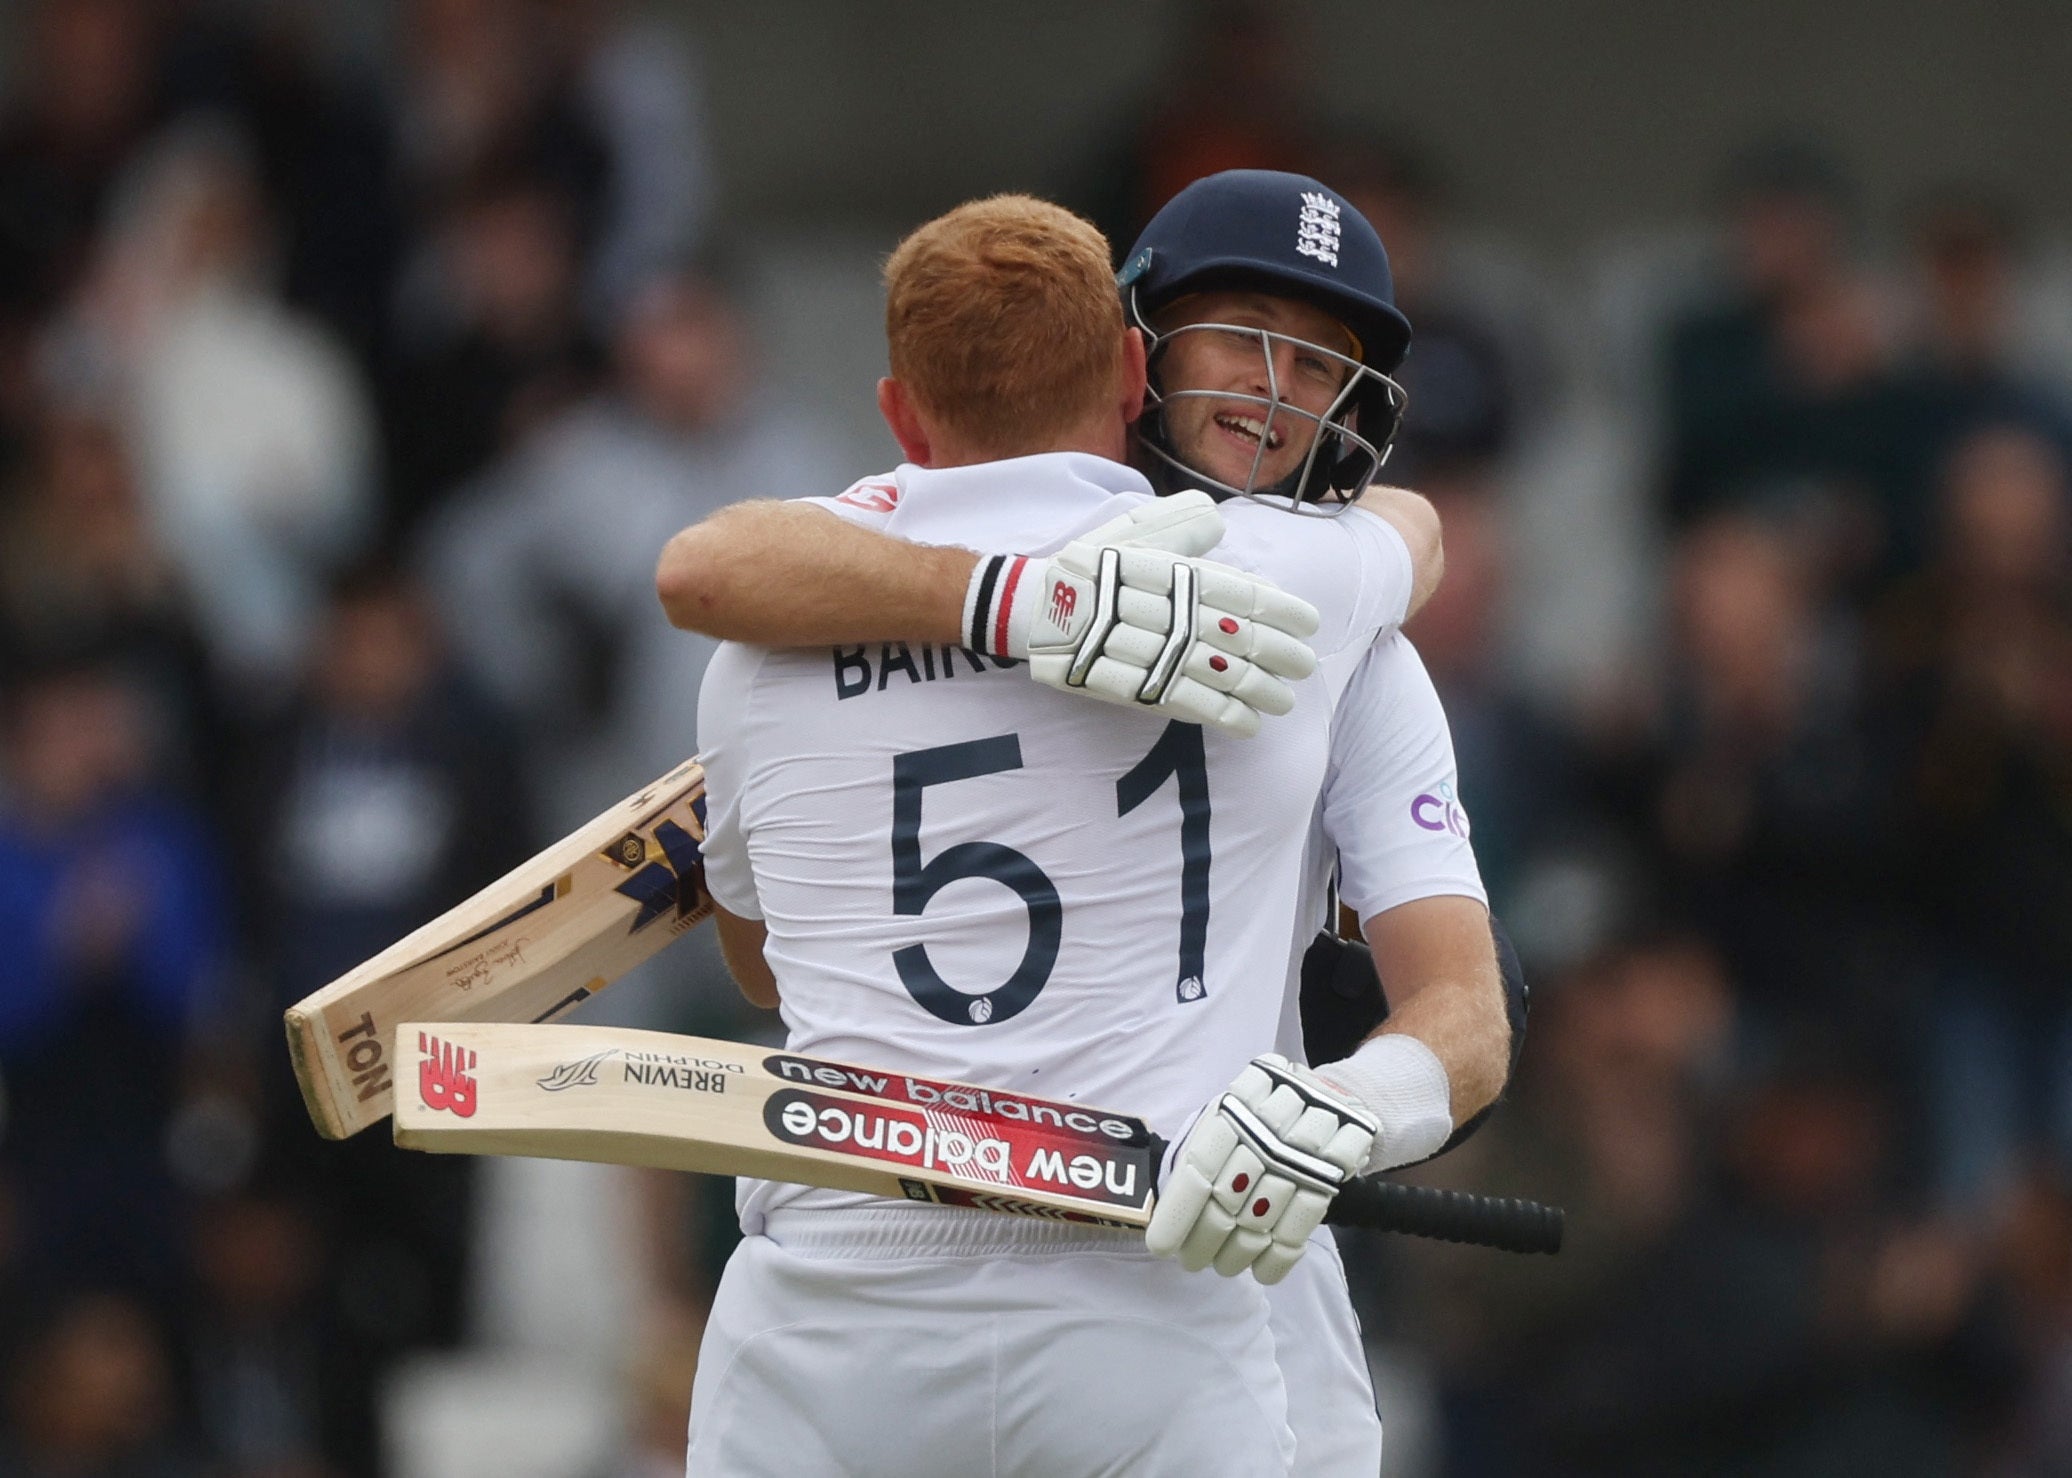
1129, 613
1256, 1173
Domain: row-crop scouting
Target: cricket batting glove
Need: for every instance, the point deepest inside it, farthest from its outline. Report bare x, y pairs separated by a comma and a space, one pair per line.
1129, 613
1256, 1173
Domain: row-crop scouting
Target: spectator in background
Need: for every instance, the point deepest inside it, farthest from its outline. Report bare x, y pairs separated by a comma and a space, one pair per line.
1611, 1117
325, 150
112, 904
481, 85
504, 349
92, 1395
1962, 368
640, 88
1977, 655
546, 570
1756, 793
1516, 768
253, 436
2034, 1256
382, 796
1234, 97
1791, 1322
1738, 1294
1464, 387
276, 1391
82, 99
79, 563
1783, 395
1967, 247
386, 793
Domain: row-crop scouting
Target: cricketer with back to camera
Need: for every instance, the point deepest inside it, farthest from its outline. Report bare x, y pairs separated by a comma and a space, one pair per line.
1136, 949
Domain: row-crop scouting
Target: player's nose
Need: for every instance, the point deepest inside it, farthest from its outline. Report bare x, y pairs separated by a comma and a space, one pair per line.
1269, 369
1263, 374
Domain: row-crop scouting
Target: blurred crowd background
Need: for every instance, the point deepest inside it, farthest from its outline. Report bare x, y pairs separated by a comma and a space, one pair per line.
355, 362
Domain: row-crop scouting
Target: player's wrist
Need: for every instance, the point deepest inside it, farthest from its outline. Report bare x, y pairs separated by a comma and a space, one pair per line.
995, 621
1404, 1085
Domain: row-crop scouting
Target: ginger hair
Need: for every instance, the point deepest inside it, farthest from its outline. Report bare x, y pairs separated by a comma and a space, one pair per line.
1003, 322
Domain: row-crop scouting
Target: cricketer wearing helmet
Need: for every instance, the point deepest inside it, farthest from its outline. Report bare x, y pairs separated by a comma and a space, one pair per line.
937, 867
1265, 305
1269, 350
1269, 378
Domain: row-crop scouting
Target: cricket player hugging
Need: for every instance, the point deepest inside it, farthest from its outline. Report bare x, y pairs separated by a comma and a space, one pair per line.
938, 866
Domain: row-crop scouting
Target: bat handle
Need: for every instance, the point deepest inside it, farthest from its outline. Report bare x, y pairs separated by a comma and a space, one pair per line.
1450, 1216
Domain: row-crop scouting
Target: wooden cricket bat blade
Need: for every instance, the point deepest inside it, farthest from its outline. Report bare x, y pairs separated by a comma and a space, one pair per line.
547, 935
628, 1097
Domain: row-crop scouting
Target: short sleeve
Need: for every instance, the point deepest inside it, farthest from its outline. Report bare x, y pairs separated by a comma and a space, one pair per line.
725, 750
1391, 802
1386, 573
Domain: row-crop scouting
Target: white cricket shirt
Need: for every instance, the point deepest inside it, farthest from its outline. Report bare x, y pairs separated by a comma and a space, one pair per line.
965, 875
1390, 828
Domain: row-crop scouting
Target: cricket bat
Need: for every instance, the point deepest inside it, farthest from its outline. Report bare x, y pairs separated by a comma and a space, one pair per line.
626, 1097
533, 944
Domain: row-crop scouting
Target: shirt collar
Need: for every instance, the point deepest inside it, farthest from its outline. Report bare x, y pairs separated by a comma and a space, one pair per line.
1019, 503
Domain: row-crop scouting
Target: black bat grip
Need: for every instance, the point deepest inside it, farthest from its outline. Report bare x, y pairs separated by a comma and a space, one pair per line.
1449, 1216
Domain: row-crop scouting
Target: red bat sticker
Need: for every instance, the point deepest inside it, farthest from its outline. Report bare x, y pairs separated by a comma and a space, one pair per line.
445, 1077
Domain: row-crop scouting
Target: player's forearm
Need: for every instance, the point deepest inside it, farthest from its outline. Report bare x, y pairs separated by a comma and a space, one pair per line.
1413, 516
1463, 1023
793, 575
1445, 990
1395, 1101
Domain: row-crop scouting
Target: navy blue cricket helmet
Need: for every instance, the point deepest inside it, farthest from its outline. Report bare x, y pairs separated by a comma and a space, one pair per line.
1291, 236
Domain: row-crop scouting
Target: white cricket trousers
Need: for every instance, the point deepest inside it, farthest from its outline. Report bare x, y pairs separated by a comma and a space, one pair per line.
908, 1344
1316, 1338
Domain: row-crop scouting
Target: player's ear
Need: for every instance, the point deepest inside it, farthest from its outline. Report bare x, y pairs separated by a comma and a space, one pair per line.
1133, 375
897, 407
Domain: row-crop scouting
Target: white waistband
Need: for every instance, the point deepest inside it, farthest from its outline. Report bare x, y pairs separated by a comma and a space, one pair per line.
939, 1231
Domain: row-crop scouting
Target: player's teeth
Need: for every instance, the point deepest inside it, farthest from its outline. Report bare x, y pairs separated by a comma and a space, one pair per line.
1251, 427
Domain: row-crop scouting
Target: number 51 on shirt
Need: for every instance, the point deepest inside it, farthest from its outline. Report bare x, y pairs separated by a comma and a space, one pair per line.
1178, 755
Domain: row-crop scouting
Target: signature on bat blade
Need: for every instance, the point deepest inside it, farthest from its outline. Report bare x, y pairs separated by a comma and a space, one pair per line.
477, 969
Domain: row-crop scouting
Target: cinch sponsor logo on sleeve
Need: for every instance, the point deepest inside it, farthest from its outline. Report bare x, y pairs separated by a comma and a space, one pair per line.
1054, 1118
990, 1151
1441, 812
